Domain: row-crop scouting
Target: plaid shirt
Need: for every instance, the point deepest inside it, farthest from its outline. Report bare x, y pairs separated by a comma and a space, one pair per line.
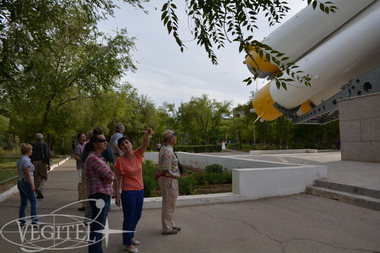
98, 171
168, 161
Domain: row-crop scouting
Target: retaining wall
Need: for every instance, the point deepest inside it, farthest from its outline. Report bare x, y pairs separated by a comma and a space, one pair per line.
251, 179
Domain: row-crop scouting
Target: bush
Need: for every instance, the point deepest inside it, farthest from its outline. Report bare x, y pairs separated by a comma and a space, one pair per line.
150, 185
216, 168
212, 178
198, 148
213, 175
200, 177
186, 185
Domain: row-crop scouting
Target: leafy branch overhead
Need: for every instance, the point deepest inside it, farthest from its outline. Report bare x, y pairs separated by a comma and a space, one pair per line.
216, 22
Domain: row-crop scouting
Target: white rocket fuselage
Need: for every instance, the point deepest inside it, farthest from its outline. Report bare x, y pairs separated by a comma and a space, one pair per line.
333, 48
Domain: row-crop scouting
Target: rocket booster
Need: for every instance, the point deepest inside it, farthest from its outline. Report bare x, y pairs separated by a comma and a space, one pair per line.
332, 48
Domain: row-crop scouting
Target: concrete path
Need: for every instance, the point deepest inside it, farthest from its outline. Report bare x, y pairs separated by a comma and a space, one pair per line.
297, 223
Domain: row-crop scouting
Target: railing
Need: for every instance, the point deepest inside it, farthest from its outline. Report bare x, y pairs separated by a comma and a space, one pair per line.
52, 162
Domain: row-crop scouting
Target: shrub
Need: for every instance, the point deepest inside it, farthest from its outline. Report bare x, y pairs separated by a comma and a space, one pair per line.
216, 168
200, 177
227, 178
198, 148
186, 185
150, 185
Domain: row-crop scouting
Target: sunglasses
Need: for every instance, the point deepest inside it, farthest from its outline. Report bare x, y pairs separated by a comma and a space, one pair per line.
101, 140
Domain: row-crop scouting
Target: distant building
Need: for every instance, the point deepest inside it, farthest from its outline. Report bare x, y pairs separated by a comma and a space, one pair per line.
238, 111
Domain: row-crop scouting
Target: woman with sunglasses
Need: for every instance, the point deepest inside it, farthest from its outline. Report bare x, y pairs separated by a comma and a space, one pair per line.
128, 170
99, 177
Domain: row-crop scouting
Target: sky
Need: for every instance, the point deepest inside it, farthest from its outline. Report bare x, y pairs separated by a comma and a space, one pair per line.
165, 74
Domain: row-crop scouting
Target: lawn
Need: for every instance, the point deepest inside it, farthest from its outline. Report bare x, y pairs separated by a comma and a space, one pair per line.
8, 170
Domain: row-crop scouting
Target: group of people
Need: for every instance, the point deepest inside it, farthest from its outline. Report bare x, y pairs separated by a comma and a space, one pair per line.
125, 183
123, 180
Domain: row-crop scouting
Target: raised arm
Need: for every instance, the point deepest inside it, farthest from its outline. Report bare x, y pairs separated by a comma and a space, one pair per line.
147, 133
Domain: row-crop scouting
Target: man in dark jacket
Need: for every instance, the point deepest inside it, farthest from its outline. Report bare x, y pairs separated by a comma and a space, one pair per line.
41, 161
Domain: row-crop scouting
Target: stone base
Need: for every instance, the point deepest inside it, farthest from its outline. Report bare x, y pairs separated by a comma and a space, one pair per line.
360, 128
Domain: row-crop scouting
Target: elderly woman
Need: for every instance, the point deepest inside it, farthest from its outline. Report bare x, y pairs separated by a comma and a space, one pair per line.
128, 170
99, 177
25, 184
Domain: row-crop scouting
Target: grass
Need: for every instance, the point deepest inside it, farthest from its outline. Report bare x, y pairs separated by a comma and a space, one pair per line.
8, 170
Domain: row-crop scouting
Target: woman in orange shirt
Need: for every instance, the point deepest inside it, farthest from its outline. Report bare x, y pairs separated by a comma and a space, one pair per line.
128, 170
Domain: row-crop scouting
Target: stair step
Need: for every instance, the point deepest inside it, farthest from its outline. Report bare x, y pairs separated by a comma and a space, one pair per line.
345, 197
348, 188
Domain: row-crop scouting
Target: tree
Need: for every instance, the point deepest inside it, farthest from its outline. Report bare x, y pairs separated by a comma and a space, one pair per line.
200, 119
214, 23
52, 55
283, 129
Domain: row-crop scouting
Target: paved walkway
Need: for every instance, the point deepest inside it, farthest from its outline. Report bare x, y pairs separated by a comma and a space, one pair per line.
296, 223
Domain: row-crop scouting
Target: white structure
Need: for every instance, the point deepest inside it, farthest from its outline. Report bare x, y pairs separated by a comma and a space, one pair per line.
332, 48
251, 179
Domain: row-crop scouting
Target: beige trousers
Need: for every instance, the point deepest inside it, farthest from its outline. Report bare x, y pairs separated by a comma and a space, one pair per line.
169, 191
40, 174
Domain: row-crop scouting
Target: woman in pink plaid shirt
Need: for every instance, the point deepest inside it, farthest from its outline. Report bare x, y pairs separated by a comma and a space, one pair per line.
99, 178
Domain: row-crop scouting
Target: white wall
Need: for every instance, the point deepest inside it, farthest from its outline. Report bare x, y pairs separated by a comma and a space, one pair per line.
229, 163
271, 182
251, 179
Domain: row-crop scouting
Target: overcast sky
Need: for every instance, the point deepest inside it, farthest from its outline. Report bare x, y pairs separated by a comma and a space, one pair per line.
166, 75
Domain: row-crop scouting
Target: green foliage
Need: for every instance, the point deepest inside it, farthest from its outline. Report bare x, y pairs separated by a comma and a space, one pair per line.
212, 178
8, 167
150, 185
200, 119
187, 182
56, 63
186, 185
214, 23
198, 148
215, 168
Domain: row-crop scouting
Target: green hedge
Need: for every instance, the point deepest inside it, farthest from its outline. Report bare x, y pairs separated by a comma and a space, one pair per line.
198, 148
189, 180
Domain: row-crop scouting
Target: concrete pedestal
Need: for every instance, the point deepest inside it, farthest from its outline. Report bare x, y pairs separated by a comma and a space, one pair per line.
360, 128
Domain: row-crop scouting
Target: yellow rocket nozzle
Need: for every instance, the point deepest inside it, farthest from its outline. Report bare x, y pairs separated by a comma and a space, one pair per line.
264, 104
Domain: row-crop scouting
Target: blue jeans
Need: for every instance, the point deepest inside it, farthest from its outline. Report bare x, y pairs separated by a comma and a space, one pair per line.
132, 202
100, 217
26, 194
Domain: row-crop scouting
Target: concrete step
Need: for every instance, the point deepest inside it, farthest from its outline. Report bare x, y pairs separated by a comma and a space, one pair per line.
345, 197
363, 191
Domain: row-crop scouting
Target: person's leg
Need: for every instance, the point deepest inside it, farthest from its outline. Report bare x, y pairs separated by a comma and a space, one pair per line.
87, 211
128, 201
39, 181
43, 175
139, 207
23, 202
169, 191
36, 175
80, 192
138, 210
172, 200
100, 209
33, 205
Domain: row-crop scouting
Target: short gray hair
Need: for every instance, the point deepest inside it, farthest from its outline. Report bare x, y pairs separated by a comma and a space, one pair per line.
39, 136
119, 126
